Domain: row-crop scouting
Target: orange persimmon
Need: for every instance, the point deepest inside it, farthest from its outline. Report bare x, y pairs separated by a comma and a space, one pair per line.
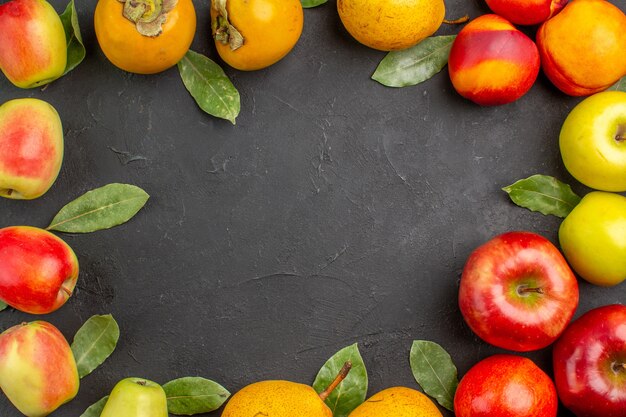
145, 36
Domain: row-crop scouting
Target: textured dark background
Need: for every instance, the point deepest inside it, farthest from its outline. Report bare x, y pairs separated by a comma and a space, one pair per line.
336, 211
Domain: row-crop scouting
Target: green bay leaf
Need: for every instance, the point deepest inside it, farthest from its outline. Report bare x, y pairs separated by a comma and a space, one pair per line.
416, 64
307, 4
94, 342
75, 47
434, 371
98, 209
95, 409
194, 395
351, 392
3, 305
620, 85
209, 86
544, 194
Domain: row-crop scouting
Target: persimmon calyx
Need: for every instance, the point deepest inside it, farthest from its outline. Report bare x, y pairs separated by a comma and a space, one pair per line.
223, 31
148, 15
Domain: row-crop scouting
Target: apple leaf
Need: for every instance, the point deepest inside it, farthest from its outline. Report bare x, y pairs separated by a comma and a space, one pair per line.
95, 409
98, 209
434, 371
194, 395
3, 305
544, 194
351, 392
75, 47
209, 86
416, 64
307, 4
620, 85
94, 342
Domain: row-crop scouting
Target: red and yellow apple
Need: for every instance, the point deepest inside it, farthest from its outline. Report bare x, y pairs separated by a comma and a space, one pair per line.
517, 292
526, 12
593, 238
582, 47
505, 386
37, 368
590, 363
39, 270
491, 62
31, 148
33, 50
593, 141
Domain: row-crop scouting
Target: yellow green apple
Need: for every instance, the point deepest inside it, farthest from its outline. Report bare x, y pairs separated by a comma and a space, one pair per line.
593, 141
136, 397
33, 50
31, 148
593, 238
37, 368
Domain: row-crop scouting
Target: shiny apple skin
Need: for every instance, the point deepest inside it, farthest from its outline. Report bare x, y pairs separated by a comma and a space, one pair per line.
505, 386
496, 295
590, 363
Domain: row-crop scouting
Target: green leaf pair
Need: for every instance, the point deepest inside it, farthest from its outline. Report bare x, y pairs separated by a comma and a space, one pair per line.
185, 396
75, 47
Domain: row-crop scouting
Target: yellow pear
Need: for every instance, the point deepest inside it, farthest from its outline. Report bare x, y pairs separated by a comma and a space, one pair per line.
397, 402
278, 398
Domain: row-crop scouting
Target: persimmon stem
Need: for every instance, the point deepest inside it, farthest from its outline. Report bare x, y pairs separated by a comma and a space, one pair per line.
458, 21
343, 373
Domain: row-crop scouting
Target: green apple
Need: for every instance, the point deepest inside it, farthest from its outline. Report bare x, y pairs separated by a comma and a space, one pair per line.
593, 141
136, 397
593, 238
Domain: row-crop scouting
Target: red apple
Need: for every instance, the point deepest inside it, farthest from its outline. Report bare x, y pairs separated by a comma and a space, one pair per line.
491, 62
38, 270
517, 292
590, 363
37, 368
31, 148
33, 51
505, 386
526, 12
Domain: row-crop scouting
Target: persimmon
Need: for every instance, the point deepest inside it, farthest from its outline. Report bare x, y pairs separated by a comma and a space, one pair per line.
254, 34
145, 36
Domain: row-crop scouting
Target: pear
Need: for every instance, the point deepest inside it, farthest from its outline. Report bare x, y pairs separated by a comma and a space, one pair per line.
397, 402
276, 398
136, 397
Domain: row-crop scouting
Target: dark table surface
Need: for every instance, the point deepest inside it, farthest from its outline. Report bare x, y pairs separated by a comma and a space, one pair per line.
336, 211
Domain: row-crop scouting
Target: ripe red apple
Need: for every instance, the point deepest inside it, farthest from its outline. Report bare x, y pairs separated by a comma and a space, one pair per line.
526, 12
38, 270
31, 148
505, 386
33, 51
37, 368
517, 292
590, 363
491, 62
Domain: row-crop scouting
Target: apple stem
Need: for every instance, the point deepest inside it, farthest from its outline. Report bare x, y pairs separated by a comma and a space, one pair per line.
620, 135
458, 21
525, 290
343, 373
619, 367
142, 383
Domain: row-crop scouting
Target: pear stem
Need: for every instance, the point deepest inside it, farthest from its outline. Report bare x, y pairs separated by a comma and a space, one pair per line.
343, 373
458, 21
